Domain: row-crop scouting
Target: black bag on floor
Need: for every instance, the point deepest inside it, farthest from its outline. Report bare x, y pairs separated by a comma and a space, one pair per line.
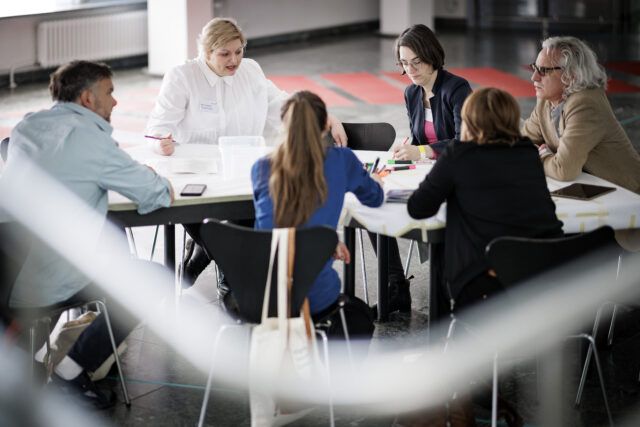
358, 314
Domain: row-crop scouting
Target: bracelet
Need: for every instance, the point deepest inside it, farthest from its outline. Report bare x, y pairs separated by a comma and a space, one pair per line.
423, 152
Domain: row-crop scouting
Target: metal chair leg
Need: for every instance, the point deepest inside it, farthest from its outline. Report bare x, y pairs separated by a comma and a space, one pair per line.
494, 392
616, 309
408, 261
325, 345
347, 338
450, 331
114, 346
132, 242
593, 350
153, 245
207, 390
587, 359
363, 265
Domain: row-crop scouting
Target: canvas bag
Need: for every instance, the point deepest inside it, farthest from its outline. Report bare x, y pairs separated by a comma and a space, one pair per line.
282, 347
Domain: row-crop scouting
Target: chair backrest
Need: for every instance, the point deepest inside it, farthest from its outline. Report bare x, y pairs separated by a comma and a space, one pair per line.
370, 136
516, 259
243, 255
15, 242
4, 149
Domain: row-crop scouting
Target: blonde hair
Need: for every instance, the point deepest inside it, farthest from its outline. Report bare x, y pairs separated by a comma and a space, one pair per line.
580, 68
491, 115
297, 184
217, 33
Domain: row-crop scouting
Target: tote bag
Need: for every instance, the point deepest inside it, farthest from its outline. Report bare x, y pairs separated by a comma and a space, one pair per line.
283, 349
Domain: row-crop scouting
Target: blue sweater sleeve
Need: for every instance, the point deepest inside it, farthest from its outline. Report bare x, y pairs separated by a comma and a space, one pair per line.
368, 192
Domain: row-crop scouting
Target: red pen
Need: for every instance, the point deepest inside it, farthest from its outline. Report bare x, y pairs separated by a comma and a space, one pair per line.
158, 138
405, 140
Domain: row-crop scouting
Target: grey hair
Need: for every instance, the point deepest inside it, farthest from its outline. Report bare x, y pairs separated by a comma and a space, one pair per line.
580, 65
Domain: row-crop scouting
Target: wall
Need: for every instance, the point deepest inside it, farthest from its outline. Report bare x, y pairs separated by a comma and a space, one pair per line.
18, 35
272, 17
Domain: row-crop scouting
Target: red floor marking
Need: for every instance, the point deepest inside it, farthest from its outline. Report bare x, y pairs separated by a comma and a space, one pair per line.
295, 83
367, 87
486, 76
618, 86
5, 132
405, 80
630, 67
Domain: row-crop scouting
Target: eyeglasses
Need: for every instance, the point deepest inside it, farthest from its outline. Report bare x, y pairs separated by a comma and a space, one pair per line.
415, 64
542, 70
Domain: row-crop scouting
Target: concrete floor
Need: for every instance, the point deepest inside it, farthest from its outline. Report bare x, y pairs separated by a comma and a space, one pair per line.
167, 390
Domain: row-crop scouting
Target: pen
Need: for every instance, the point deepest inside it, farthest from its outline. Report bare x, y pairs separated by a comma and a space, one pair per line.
158, 138
403, 168
375, 165
405, 140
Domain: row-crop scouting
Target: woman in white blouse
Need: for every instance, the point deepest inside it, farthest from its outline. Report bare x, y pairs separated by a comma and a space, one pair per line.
219, 94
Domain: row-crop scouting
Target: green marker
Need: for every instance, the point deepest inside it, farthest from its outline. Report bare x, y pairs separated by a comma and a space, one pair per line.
399, 162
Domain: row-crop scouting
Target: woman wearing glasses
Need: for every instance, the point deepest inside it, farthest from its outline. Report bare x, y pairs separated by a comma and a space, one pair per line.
435, 97
219, 93
433, 100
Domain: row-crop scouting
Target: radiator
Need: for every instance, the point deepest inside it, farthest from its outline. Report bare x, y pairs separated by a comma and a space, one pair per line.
92, 38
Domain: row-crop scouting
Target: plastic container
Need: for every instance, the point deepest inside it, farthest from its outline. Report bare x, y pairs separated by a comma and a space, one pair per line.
239, 153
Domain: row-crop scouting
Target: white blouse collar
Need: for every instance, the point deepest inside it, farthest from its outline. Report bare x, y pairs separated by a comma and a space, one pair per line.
212, 77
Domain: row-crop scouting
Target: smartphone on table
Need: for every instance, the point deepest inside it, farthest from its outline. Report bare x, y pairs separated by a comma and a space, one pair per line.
193, 190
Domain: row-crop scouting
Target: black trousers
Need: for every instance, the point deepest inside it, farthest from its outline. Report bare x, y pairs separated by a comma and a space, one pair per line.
479, 289
396, 271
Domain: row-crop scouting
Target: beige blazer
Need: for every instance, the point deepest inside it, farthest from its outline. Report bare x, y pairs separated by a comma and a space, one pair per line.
591, 139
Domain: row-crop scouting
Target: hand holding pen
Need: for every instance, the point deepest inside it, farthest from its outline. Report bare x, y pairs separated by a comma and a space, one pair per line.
164, 145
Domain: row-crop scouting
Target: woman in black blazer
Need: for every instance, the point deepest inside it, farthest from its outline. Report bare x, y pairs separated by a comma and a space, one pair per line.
434, 101
435, 97
494, 185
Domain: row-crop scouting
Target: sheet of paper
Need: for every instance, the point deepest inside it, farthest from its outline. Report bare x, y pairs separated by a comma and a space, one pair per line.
172, 166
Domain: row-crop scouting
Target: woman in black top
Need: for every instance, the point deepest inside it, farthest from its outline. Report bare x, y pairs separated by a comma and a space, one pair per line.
494, 185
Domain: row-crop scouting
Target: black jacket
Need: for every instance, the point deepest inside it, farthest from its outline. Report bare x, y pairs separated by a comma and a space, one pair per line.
449, 93
491, 190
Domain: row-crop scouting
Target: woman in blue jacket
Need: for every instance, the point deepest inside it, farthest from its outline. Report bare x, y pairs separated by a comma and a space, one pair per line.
303, 183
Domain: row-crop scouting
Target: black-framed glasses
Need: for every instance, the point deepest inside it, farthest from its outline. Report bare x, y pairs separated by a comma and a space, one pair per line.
542, 70
415, 64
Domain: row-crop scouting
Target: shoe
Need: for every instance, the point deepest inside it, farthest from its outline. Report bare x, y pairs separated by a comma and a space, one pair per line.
194, 265
222, 286
85, 391
399, 298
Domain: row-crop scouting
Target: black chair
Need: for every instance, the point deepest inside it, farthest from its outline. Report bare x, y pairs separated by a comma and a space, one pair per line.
370, 136
233, 247
15, 244
516, 259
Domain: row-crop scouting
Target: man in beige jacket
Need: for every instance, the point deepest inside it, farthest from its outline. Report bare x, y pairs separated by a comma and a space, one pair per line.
572, 123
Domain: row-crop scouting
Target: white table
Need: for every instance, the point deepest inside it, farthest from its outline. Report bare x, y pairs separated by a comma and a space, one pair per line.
232, 199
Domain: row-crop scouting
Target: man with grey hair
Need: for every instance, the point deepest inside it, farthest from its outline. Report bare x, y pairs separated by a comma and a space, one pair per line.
573, 123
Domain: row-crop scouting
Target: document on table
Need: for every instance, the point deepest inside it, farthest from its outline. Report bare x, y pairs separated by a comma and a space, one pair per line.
171, 166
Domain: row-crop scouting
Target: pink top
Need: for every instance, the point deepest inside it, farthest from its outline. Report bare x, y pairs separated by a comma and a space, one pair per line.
429, 129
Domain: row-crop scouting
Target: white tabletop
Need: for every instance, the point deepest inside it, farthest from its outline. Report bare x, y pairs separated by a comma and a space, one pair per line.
220, 188
619, 209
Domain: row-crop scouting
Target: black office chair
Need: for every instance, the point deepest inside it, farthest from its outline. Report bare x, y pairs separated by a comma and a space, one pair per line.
15, 243
233, 247
516, 259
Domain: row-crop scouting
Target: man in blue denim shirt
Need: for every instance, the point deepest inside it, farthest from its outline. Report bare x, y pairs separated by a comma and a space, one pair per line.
72, 143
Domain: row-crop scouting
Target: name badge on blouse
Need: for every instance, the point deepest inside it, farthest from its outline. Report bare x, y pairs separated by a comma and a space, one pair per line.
209, 107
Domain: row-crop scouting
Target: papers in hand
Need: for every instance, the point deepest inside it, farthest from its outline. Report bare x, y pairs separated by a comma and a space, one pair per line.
176, 165
398, 196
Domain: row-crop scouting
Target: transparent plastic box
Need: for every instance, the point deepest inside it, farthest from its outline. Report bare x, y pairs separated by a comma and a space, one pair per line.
239, 153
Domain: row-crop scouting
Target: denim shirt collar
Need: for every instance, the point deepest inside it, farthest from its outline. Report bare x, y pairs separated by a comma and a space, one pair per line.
101, 123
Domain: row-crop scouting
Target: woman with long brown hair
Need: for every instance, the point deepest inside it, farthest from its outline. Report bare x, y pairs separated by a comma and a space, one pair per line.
303, 183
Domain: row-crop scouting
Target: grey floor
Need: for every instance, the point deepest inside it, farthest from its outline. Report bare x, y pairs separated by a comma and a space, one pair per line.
167, 390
